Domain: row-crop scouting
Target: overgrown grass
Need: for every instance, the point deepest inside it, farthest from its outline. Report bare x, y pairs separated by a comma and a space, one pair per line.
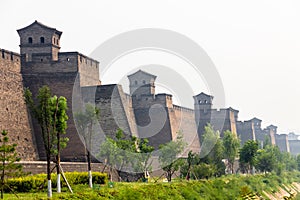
227, 187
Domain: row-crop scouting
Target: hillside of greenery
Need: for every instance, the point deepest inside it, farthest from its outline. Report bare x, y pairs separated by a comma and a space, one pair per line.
225, 187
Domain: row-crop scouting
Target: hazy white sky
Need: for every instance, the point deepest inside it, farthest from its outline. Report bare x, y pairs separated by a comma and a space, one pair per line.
255, 45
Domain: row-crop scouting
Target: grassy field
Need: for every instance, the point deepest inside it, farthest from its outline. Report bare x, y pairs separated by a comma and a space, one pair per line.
227, 187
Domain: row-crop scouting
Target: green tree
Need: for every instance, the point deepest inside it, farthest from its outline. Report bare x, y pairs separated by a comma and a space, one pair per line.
298, 162
187, 169
50, 113
108, 153
168, 156
266, 159
127, 148
203, 170
143, 156
248, 155
59, 115
290, 162
231, 147
8, 158
85, 122
119, 153
212, 150
191, 160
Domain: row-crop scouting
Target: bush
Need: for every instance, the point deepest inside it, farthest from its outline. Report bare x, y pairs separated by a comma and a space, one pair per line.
203, 170
38, 182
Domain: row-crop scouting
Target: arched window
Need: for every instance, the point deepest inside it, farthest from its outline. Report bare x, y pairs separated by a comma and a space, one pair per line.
42, 39
199, 101
30, 40
54, 41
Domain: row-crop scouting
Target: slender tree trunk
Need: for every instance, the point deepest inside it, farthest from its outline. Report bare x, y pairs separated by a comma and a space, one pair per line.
49, 193
3, 174
231, 167
58, 182
169, 176
89, 169
110, 174
188, 173
58, 164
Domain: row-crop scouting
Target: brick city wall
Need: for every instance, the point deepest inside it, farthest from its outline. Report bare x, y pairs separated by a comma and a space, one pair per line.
14, 116
61, 84
183, 120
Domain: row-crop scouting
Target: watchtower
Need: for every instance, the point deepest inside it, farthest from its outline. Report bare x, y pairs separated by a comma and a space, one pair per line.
141, 83
64, 72
38, 41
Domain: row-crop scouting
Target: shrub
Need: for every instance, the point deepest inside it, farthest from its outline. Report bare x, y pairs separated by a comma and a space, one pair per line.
38, 182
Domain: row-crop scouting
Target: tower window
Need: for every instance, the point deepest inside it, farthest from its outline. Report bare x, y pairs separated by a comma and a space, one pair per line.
30, 40
54, 40
42, 39
135, 82
200, 101
144, 82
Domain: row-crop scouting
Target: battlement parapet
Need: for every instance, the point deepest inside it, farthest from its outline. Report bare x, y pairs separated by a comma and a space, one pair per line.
82, 58
9, 61
147, 100
67, 62
183, 109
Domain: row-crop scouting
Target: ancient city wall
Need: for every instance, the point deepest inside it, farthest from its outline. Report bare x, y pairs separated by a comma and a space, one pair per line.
183, 120
114, 113
245, 131
61, 84
282, 142
294, 147
70, 71
14, 116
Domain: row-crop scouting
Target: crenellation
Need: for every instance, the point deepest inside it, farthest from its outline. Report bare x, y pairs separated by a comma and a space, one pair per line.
10, 60
183, 109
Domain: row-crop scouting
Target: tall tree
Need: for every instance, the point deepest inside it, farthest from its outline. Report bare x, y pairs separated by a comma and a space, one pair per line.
144, 151
231, 147
191, 160
108, 152
298, 162
120, 152
266, 159
168, 156
59, 114
248, 155
8, 159
85, 122
212, 150
48, 111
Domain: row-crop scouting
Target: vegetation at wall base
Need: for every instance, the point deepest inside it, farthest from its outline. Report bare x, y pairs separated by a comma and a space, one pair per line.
38, 183
225, 187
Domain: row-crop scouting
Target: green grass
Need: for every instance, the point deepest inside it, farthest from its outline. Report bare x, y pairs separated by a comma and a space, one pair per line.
227, 187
